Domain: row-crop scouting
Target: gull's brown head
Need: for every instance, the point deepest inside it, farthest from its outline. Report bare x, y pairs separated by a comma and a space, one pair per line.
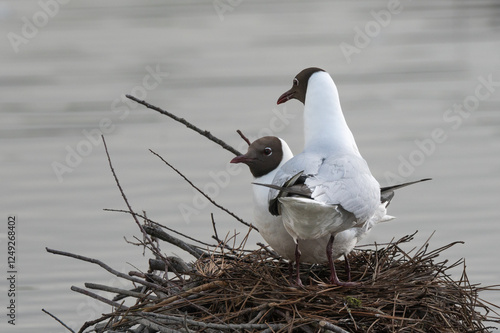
299, 86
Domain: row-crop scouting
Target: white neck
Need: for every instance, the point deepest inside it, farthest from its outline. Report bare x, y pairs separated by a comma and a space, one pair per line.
260, 193
325, 127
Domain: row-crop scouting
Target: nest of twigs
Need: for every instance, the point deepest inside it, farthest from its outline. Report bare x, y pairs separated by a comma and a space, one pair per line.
231, 289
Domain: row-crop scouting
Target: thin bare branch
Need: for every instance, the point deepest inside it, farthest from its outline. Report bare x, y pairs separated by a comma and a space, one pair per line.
212, 325
203, 193
106, 267
157, 232
244, 137
160, 225
126, 200
58, 320
183, 121
99, 298
119, 291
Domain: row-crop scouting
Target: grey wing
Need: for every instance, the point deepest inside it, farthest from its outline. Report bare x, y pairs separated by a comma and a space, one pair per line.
308, 164
346, 181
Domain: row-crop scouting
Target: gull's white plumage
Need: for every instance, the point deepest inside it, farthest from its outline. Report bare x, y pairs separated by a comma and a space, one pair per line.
271, 227
343, 193
326, 192
336, 173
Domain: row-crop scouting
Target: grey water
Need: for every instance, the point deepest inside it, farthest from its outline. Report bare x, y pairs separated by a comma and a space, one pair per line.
419, 84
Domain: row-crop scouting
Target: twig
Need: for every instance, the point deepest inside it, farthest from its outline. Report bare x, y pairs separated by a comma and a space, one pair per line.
149, 241
211, 325
99, 298
58, 320
223, 244
118, 184
157, 327
96, 321
160, 225
126, 200
195, 290
178, 263
156, 232
215, 229
205, 133
269, 251
243, 137
106, 267
329, 326
119, 291
203, 193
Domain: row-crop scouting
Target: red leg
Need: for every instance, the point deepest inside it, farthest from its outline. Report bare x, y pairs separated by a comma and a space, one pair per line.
347, 267
333, 276
297, 263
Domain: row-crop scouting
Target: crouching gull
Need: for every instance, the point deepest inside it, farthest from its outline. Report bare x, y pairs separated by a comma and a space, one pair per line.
328, 188
264, 157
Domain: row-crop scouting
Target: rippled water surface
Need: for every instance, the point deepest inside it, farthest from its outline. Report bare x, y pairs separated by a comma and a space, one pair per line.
419, 84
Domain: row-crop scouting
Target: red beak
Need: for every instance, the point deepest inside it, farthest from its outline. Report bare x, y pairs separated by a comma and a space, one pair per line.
286, 96
240, 159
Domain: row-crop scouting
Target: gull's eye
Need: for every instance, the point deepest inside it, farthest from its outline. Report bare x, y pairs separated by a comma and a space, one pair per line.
295, 82
268, 151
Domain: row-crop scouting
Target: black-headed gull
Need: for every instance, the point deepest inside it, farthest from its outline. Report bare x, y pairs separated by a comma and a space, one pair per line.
333, 188
264, 157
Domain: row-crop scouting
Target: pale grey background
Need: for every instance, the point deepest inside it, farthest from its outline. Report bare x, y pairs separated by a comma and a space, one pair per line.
225, 72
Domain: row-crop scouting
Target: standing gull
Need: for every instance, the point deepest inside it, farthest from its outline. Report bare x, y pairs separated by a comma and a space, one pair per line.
328, 187
264, 157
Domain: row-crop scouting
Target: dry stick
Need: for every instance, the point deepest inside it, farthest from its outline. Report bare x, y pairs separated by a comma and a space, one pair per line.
158, 327
329, 326
201, 308
148, 239
125, 198
215, 229
158, 233
243, 137
119, 291
270, 252
106, 267
216, 237
195, 290
203, 193
160, 225
205, 133
99, 298
96, 321
58, 320
211, 325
